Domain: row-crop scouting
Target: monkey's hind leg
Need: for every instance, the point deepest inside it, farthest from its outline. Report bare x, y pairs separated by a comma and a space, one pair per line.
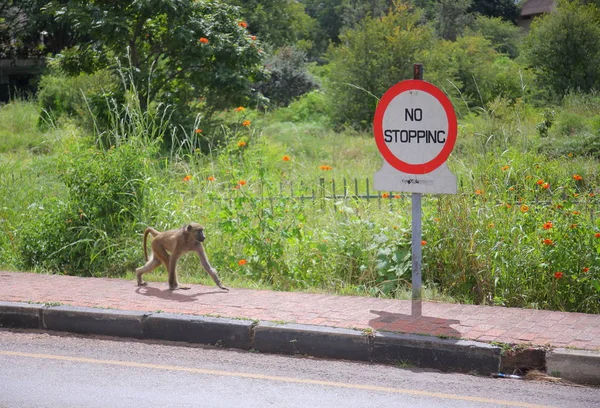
173, 281
152, 264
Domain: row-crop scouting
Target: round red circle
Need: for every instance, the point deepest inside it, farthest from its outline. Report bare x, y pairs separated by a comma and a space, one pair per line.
390, 94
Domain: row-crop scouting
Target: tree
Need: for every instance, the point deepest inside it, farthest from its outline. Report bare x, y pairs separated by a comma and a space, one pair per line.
505, 36
177, 50
278, 22
505, 9
27, 32
289, 77
452, 18
375, 55
563, 48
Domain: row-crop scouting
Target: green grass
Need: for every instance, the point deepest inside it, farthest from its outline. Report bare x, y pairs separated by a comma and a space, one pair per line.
66, 208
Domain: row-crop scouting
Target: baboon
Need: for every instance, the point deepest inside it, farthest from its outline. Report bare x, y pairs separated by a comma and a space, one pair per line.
175, 242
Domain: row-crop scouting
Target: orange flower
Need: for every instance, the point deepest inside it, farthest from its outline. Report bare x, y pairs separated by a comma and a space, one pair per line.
597, 234
546, 186
187, 178
203, 40
478, 192
198, 130
240, 109
436, 220
540, 182
325, 168
511, 188
586, 270
524, 208
242, 182
573, 226
491, 225
423, 243
558, 275
286, 158
241, 143
508, 205
385, 195
211, 178
575, 213
548, 242
246, 123
397, 196
548, 225
253, 37
242, 262
575, 195
504, 168
591, 194
577, 177
243, 24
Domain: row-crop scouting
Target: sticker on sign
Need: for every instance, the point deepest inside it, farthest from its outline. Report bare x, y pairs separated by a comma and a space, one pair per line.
415, 130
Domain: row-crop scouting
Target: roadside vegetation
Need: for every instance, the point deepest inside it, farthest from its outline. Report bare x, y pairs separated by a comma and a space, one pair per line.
270, 156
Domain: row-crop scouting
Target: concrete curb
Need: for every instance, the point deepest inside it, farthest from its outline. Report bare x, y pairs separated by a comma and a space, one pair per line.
317, 341
578, 366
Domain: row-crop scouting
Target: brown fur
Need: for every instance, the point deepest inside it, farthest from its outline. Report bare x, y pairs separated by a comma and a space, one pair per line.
168, 246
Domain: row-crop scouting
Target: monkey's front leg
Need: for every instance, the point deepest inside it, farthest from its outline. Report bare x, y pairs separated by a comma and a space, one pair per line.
173, 282
206, 265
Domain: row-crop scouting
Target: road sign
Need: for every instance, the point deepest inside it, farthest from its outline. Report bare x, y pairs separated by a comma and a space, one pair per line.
415, 127
415, 130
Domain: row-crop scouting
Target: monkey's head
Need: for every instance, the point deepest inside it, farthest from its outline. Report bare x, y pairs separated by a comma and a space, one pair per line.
196, 231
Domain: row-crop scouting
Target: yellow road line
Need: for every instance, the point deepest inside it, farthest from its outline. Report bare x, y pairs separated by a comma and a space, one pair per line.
272, 378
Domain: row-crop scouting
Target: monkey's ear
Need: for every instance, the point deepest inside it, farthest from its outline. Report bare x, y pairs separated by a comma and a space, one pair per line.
188, 228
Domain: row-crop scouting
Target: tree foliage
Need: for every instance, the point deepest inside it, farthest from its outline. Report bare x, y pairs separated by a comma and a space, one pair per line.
278, 22
177, 50
452, 18
288, 78
504, 9
371, 58
564, 48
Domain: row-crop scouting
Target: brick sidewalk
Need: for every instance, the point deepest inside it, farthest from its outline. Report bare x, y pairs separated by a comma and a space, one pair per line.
483, 323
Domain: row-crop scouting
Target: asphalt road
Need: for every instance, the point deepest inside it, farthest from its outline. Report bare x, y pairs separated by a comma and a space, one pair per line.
59, 370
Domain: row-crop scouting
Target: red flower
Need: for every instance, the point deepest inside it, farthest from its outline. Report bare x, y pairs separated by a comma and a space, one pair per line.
203, 40
586, 270
548, 242
540, 182
597, 234
286, 158
242, 182
577, 177
242, 262
548, 225
187, 178
211, 178
423, 243
385, 195
243, 24
558, 275
546, 186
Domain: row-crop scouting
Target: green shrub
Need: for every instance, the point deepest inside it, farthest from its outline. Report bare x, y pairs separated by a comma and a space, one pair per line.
289, 78
83, 97
311, 107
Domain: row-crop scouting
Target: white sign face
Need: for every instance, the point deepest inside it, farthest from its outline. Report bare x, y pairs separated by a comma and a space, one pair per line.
415, 127
415, 130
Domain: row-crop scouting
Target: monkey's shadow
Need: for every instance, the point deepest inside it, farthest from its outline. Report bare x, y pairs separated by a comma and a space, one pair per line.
176, 295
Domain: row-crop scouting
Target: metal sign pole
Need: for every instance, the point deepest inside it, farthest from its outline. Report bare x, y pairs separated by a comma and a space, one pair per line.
417, 305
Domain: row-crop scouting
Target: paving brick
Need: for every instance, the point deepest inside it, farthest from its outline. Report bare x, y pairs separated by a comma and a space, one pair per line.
482, 323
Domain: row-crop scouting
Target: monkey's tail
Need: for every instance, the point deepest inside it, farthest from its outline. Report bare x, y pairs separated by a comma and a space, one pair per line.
148, 231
